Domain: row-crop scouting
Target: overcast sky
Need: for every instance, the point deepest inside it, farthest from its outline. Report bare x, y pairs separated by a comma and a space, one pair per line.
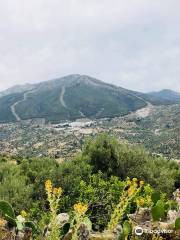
130, 43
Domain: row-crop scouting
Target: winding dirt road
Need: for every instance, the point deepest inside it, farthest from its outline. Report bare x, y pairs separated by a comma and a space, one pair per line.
13, 107
62, 97
13, 110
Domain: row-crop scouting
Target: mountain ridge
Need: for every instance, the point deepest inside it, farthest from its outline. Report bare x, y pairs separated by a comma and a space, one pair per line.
71, 97
162, 97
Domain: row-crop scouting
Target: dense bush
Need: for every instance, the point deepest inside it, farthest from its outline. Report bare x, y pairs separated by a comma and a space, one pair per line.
106, 154
14, 187
102, 195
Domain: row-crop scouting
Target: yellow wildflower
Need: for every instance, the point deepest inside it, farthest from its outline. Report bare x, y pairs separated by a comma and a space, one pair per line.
57, 191
131, 191
2, 222
141, 202
23, 213
134, 179
141, 183
135, 185
80, 208
149, 201
128, 182
48, 186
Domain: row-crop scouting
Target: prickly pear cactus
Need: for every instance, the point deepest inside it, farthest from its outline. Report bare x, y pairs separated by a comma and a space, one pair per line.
6, 209
158, 211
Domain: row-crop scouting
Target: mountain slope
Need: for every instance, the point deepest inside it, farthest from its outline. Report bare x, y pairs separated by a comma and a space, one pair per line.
163, 97
75, 96
6, 102
69, 98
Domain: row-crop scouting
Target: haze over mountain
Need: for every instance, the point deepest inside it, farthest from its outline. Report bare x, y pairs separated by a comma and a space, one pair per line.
75, 96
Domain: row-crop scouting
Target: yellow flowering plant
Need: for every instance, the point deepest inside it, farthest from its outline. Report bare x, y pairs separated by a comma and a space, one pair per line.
53, 197
145, 200
23, 214
131, 190
2, 222
80, 210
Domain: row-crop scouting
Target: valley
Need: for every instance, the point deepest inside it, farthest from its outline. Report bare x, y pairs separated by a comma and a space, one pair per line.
154, 127
54, 118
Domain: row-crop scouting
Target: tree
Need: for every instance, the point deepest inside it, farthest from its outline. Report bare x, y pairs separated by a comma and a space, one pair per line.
106, 154
13, 187
102, 154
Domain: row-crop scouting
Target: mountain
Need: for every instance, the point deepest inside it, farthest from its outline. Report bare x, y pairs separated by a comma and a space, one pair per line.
163, 97
67, 98
72, 97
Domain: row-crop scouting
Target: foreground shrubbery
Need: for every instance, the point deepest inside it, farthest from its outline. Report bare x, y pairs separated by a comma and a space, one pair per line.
77, 225
95, 177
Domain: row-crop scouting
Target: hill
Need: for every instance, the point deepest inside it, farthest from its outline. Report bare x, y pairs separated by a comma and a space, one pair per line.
72, 97
67, 98
163, 97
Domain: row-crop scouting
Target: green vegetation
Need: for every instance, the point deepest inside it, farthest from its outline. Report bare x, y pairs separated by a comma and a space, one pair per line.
79, 226
24, 179
13, 187
109, 156
95, 101
18, 222
102, 195
108, 183
43, 104
159, 132
90, 100
95, 183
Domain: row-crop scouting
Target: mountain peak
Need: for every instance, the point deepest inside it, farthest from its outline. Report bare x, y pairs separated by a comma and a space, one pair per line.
169, 91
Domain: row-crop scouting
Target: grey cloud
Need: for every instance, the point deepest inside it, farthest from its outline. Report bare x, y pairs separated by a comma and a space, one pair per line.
133, 43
